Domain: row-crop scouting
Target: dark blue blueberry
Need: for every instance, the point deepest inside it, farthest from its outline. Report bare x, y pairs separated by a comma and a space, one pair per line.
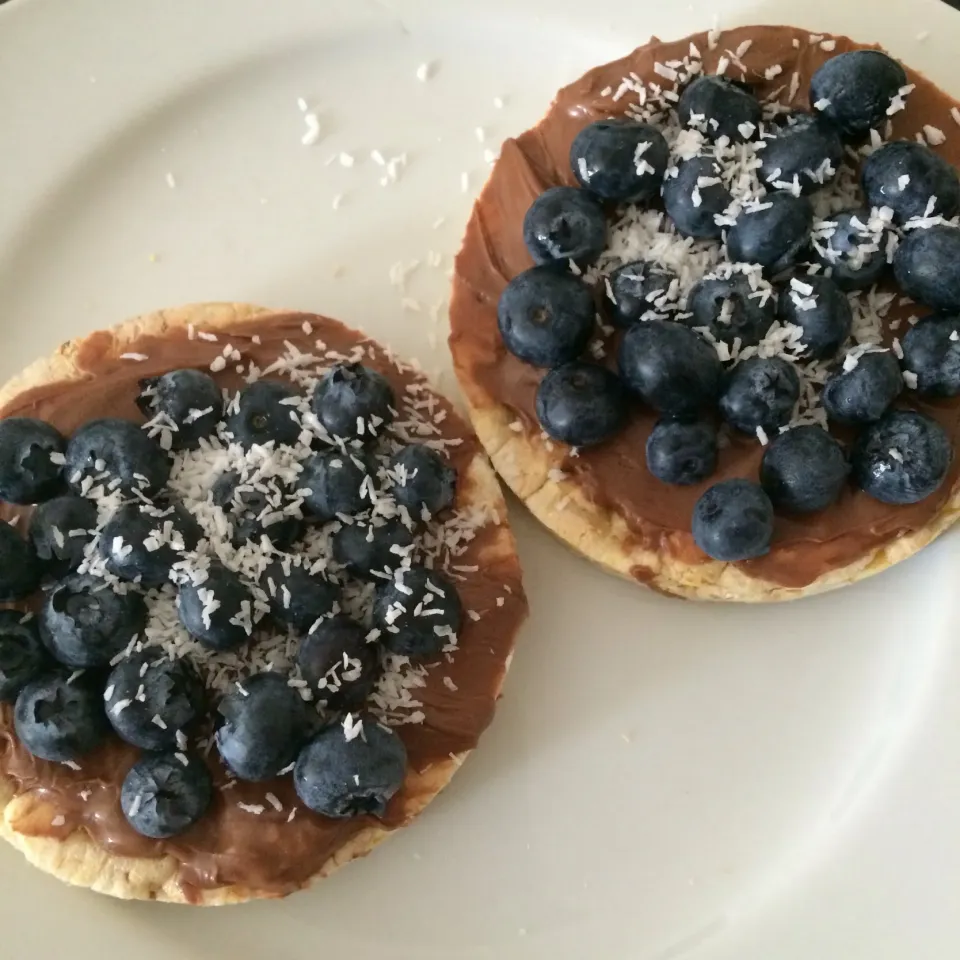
149, 698
188, 399
60, 719
821, 309
339, 663
670, 367
865, 393
546, 317
353, 402
338, 483
621, 160
905, 176
854, 252
641, 291
217, 612
774, 236
367, 549
694, 198
902, 458
256, 510
161, 797
733, 521
804, 470
733, 308
582, 404
142, 542
263, 411
418, 612
565, 223
60, 530
27, 474
340, 777
927, 267
931, 350
681, 452
719, 107
807, 148
115, 453
760, 392
22, 656
19, 566
298, 597
854, 90
266, 722
424, 481
85, 622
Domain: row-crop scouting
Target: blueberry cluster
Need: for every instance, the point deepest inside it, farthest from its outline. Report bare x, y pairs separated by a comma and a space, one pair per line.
763, 333
167, 552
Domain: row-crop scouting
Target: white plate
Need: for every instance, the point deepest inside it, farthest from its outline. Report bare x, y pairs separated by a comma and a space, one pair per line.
664, 780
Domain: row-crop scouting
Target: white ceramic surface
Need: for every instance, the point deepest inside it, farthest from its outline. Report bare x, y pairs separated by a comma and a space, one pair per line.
664, 780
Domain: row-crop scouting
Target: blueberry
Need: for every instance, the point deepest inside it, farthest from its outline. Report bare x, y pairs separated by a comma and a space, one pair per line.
695, 196
115, 453
59, 719
806, 150
189, 400
424, 482
804, 470
60, 530
735, 307
338, 661
161, 797
927, 267
670, 367
821, 309
582, 404
339, 483
903, 458
565, 223
339, 777
149, 698
931, 350
641, 291
265, 411
854, 90
298, 597
218, 610
733, 521
546, 317
19, 567
22, 656
621, 160
27, 474
719, 107
681, 452
865, 393
773, 236
760, 392
86, 622
353, 402
368, 548
418, 612
266, 722
255, 509
142, 542
906, 176
852, 244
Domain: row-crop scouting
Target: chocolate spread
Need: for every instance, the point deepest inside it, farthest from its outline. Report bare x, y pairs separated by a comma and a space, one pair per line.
228, 845
614, 475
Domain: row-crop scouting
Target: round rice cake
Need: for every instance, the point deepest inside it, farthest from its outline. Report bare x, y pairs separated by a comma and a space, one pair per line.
602, 500
257, 839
